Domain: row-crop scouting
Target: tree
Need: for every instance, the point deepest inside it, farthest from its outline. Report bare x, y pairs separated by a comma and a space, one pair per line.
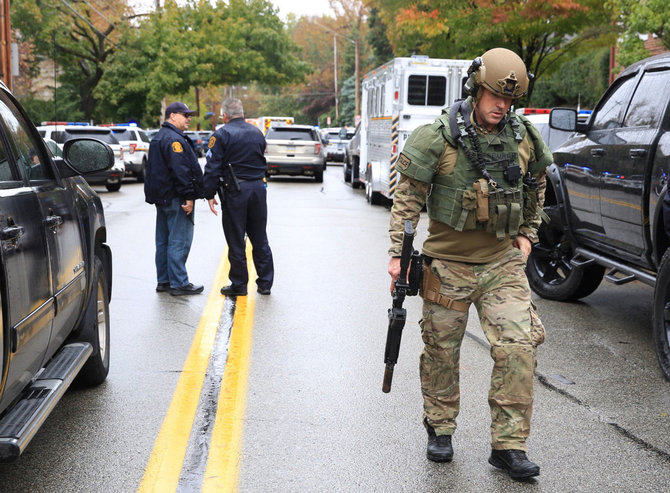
542, 32
77, 35
233, 42
637, 17
377, 39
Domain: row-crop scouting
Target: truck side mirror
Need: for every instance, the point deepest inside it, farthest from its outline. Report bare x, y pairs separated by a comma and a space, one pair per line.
563, 119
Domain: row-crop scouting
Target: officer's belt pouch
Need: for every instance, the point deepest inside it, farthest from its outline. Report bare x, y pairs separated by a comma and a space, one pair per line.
430, 291
482, 190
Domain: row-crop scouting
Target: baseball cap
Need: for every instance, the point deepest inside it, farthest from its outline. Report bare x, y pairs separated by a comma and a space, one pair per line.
177, 107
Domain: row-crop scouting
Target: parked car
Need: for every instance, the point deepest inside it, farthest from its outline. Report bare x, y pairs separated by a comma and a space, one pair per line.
336, 143
540, 118
295, 150
198, 142
56, 274
604, 198
62, 132
133, 138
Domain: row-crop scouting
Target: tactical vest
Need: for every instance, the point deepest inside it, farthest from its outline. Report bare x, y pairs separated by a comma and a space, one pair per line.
463, 199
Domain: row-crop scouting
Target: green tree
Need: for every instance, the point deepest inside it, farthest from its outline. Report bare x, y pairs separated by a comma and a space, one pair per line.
637, 17
75, 34
382, 51
232, 42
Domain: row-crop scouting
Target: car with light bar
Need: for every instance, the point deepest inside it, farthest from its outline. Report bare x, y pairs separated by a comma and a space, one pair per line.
295, 150
55, 276
62, 132
540, 118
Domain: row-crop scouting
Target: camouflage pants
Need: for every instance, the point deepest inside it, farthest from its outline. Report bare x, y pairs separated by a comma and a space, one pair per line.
501, 295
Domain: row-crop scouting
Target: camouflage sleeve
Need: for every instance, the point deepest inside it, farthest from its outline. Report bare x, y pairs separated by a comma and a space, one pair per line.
532, 224
408, 200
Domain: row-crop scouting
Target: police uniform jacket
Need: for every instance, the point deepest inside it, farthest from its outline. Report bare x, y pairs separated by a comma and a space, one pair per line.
172, 170
240, 144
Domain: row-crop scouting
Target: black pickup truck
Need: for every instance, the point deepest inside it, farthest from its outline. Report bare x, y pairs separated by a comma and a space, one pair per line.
55, 274
605, 195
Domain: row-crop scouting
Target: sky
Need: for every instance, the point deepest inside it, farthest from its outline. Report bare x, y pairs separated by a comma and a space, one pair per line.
298, 7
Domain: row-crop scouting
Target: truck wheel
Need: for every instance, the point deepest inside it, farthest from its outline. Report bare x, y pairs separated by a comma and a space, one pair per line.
318, 176
373, 198
661, 315
347, 172
355, 181
95, 330
550, 273
142, 173
113, 187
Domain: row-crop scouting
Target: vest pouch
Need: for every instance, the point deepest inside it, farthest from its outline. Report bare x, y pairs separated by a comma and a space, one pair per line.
482, 190
505, 211
454, 207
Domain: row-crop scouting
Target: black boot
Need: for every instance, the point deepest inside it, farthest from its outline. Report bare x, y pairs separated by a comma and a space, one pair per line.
439, 446
515, 463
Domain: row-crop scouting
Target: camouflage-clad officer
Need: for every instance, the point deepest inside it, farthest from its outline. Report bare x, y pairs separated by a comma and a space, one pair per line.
480, 171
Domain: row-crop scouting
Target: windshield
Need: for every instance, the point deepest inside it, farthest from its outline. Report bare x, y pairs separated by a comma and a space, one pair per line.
290, 134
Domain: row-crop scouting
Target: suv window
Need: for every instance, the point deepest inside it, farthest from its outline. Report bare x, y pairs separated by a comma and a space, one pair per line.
124, 135
648, 103
287, 133
611, 111
427, 90
30, 159
144, 137
103, 135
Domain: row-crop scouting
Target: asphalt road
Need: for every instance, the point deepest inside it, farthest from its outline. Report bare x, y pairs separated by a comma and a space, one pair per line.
315, 418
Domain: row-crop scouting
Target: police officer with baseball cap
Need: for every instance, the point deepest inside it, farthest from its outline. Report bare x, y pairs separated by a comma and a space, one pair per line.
480, 171
173, 182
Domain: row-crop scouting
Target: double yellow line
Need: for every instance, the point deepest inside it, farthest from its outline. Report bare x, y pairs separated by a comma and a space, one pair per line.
167, 458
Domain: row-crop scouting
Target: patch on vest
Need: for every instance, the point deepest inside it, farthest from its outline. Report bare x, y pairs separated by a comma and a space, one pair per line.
404, 161
176, 147
212, 141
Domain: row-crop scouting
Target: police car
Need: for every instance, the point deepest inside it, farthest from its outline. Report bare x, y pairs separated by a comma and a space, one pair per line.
61, 132
136, 142
540, 118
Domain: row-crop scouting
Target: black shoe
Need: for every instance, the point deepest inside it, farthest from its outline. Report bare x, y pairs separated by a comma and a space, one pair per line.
188, 289
265, 291
515, 463
162, 287
439, 446
231, 290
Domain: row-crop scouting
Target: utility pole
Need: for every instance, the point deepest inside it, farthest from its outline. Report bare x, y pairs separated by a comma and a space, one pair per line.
337, 109
5, 44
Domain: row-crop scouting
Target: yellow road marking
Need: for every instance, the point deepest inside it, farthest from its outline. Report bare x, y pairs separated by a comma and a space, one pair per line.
222, 470
165, 464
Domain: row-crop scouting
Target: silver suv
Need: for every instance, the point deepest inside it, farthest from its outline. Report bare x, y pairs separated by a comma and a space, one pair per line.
295, 150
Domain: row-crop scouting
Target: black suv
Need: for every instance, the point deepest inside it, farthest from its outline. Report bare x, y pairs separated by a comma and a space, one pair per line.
55, 274
604, 197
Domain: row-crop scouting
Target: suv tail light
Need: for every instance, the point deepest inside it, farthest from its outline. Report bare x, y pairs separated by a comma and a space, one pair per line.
317, 148
133, 148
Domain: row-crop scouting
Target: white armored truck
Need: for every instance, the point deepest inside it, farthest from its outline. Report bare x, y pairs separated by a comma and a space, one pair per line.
396, 98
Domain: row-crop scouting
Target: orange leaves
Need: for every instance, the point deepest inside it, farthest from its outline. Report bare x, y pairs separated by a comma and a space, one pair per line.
427, 23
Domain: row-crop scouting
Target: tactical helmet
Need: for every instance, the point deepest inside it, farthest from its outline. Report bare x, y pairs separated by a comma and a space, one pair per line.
501, 71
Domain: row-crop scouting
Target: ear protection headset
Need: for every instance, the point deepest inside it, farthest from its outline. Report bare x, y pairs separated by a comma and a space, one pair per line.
470, 87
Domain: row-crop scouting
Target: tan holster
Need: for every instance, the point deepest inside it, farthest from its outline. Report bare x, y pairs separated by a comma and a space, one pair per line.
430, 291
482, 190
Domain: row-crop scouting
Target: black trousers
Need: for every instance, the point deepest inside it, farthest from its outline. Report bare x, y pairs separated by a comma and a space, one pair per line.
243, 212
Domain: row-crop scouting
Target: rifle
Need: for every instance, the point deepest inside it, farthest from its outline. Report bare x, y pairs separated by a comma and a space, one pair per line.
410, 260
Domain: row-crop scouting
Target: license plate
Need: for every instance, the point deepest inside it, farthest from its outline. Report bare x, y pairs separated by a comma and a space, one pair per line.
290, 148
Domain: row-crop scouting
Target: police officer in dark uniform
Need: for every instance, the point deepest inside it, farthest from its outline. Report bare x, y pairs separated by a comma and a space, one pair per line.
236, 166
173, 182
